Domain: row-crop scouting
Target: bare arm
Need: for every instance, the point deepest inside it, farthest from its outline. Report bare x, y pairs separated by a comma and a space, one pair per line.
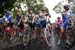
33, 20
72, 18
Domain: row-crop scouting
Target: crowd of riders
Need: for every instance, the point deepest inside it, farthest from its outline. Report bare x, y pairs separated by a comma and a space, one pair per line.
32, 20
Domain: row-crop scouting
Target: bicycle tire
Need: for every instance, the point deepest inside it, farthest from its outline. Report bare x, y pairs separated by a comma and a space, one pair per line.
71, 39
47, 37
26, 37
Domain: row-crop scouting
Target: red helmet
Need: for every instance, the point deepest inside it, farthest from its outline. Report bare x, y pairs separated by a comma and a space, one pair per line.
7, 29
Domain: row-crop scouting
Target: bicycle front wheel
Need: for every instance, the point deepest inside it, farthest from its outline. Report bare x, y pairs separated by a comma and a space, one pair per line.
70, 38
26, 37
47, 37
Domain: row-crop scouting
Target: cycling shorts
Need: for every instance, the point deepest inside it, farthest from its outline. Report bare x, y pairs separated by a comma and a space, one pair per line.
43, 24
64, 25
32, 26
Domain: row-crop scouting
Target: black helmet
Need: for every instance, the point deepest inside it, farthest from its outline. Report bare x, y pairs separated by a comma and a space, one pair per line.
58, 17
66, 7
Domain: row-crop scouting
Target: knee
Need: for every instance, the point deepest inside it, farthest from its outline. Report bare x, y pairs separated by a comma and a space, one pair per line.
62, 30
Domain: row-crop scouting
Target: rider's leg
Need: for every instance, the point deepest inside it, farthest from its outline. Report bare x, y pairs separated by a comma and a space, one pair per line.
19, 28
60, 34
14, 30
25, 27
42, 34
50, 28
34, 31
14, 33
42, 31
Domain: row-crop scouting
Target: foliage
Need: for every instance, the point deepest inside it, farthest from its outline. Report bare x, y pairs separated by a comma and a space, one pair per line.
35, 5
8, 4
57, 8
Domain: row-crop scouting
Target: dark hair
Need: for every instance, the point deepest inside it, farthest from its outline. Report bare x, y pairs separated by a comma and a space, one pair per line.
43, 9
30, 9
66, 7
58, 18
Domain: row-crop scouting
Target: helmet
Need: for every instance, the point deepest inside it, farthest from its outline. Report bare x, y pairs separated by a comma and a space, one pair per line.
30, 9
66, 7
7, 29
58, 18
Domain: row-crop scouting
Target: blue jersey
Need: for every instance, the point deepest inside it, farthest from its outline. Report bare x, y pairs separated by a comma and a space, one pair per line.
66, 18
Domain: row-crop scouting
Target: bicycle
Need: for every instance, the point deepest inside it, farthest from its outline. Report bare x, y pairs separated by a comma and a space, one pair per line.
69, 35
7, 33
57, 30
47, 34
26, 35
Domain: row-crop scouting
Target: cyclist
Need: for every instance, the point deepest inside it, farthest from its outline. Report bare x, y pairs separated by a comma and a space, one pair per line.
66, 16
58, 22
7, 19
31, 22
42, 16
19, 21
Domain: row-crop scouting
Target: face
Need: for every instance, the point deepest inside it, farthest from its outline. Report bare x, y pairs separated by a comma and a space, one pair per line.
42, 13
18, 13
14, 25
30, 11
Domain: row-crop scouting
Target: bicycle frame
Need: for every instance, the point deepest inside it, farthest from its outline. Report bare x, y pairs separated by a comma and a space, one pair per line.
69, 31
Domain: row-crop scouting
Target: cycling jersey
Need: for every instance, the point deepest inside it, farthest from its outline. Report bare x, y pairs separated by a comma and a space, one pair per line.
42, 18
30, 18
66, 20
18, 17
37, 22
41, 22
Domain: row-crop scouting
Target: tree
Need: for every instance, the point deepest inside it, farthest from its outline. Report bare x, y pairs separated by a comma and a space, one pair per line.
5, 5
57, 8
36, 5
